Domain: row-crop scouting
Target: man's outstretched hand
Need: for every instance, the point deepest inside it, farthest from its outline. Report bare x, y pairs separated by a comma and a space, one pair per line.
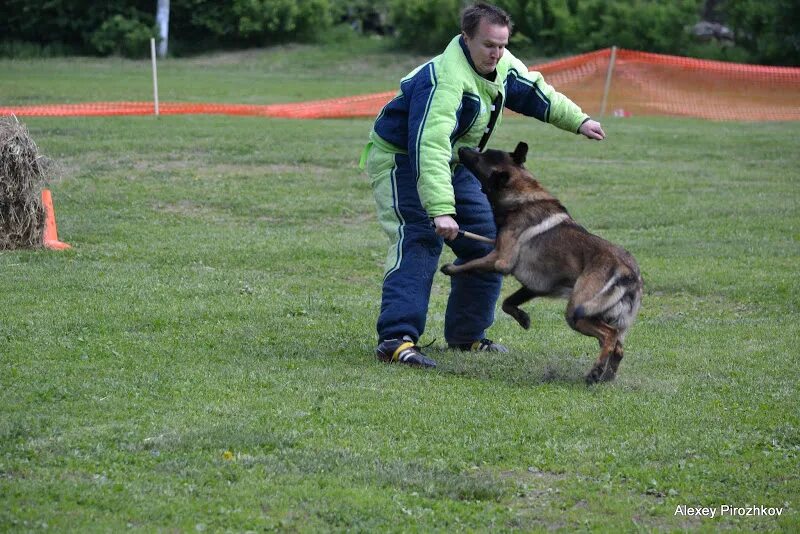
592, 130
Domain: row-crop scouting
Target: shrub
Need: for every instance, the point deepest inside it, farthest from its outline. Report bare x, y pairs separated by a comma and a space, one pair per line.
425, 25
267, 21
557, 26
365, 16
770, 31
34, 50
123, 36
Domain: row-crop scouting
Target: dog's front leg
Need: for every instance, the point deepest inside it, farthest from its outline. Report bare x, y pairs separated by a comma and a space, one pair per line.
506, 248
483, 264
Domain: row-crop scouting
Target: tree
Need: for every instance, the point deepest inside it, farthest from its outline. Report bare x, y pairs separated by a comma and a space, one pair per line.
162, 21
770, 31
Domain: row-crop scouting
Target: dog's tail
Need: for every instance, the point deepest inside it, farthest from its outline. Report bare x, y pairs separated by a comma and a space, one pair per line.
614, 291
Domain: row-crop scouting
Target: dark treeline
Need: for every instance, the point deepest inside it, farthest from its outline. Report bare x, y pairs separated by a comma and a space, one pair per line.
766, 31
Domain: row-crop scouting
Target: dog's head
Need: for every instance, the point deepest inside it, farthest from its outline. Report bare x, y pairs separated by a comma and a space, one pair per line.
498, 170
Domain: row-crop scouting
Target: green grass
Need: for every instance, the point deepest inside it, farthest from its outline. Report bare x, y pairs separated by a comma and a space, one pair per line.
202, 358
261, 76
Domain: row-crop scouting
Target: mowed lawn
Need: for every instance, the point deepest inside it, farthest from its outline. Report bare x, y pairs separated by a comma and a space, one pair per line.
202, 359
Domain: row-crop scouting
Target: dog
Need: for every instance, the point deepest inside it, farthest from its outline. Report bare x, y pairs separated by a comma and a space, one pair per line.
553, 256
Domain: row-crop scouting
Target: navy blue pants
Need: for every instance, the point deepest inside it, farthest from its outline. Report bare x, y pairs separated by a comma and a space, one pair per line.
414, 253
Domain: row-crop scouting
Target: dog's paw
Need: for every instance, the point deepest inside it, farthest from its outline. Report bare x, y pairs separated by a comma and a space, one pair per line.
600, 373
520, 316
447, 269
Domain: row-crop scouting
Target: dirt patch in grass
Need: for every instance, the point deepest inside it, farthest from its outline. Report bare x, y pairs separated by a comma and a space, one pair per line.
222, 169
357, 219
184, 208
533, 481
536, 492
521, 368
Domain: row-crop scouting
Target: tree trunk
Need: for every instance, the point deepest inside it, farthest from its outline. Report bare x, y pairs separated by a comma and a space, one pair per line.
162, 21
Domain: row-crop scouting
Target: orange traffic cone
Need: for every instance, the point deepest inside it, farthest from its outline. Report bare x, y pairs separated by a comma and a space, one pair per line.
50, 231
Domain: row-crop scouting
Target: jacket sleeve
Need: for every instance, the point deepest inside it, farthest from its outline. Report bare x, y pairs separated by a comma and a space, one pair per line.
529, 94
432, 118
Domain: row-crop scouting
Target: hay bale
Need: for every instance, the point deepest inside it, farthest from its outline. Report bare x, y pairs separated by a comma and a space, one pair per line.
23, 174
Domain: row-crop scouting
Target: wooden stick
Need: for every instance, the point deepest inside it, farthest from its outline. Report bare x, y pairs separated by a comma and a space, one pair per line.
476, 237
470, 235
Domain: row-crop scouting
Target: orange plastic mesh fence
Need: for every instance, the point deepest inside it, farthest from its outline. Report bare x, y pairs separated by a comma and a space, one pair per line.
641, 84
655, 84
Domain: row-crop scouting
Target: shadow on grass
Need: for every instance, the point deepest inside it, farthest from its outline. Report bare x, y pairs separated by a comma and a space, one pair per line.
514, 368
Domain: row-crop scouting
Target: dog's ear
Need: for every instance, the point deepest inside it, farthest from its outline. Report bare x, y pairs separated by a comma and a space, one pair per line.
519, 153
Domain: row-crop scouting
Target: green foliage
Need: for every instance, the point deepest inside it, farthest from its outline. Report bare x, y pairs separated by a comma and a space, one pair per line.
766, 32
281, 20
120, 35
770, 31
425, 25
202, 21
28, 50
544, 25
716, 51
70, 24
365, 16
343, 8
636, 24
555, 26
119, 26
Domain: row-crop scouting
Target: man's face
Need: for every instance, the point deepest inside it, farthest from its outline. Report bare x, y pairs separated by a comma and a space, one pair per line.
486, 47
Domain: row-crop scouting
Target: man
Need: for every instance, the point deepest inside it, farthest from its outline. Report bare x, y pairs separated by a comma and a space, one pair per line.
424, 196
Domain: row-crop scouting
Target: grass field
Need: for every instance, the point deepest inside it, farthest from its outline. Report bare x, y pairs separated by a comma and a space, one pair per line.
202, 358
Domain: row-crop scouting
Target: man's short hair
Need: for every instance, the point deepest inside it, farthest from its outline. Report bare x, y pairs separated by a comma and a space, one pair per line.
471, 17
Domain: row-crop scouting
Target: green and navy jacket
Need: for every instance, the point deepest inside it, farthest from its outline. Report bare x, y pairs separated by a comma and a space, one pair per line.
445, 104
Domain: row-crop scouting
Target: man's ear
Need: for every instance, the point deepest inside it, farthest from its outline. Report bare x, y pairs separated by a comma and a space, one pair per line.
519, 153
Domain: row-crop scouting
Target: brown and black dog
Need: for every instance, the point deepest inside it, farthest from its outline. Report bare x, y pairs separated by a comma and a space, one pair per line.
553, 256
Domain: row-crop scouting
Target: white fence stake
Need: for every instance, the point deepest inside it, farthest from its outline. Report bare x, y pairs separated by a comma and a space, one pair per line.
608, 80
155, 74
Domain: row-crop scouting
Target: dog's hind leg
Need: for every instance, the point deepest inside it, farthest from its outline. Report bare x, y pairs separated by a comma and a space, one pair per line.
512, 303
616, 356
605, 368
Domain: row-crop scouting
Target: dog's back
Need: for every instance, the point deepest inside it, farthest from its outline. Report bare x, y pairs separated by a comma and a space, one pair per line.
567, 259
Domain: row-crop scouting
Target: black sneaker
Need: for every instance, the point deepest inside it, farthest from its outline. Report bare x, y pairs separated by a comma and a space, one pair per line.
486, 345
404, 351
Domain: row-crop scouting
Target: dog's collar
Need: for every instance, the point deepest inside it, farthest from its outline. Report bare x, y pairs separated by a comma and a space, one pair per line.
542, 227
